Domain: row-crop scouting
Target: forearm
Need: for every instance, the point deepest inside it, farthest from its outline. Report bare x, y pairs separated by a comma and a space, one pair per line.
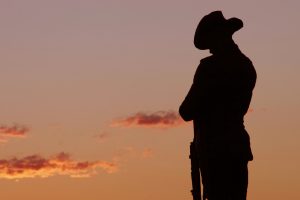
189, 109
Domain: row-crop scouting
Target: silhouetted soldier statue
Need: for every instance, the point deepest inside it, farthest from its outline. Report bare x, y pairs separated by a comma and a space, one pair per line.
217, 102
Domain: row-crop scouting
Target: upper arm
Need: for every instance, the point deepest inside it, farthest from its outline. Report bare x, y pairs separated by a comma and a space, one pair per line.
191, 106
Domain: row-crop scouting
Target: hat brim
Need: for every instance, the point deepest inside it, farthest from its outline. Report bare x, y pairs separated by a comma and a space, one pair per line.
234, 24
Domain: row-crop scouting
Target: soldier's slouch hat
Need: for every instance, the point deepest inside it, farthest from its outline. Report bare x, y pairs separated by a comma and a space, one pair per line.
215, 25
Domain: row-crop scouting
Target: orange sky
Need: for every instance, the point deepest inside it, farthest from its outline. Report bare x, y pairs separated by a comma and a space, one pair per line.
90, 91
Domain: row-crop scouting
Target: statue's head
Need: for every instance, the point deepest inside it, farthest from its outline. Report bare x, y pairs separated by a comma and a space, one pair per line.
214, 28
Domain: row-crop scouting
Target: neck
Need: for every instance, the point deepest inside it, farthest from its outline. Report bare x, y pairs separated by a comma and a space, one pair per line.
224, 48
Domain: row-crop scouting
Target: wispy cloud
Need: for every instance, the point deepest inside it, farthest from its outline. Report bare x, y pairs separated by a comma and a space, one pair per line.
101, 137
160, 119
17, 131
59, 164
129, 153
147, 153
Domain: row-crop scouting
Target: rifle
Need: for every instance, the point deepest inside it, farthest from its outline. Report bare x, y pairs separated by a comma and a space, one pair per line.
195, 168
195, 172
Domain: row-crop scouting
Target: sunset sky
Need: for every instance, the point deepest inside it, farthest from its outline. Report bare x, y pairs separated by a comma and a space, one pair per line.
90, 91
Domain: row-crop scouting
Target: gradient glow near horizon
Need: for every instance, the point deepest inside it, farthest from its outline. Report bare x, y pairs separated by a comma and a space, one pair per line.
89, 89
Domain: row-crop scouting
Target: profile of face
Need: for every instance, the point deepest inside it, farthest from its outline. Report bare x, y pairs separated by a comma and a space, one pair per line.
214, 40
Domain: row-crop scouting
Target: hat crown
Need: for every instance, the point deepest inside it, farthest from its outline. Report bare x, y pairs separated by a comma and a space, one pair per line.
212, 21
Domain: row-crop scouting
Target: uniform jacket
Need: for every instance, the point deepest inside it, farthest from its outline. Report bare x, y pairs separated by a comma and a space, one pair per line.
217, 102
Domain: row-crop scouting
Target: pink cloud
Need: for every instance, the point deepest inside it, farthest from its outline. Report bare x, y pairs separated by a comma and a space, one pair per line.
16, 131
13, 131
160, 119
59, 164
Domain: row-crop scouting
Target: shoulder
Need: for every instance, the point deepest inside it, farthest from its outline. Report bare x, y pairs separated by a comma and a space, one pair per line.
207, 60
204, 65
